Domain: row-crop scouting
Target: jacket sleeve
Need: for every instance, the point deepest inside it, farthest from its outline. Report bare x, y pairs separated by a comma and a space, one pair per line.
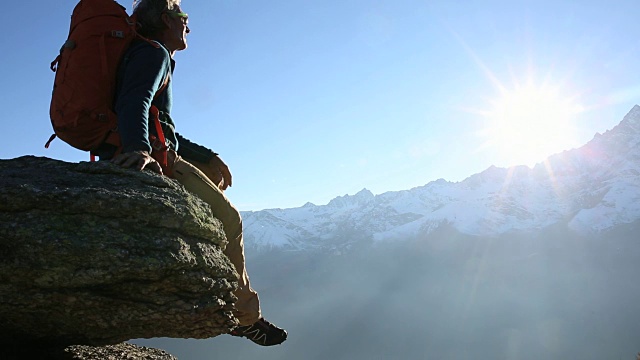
192, 151
143, 71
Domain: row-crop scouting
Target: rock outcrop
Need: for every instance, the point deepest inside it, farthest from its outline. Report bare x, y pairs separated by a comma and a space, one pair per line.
115, 352
93, 254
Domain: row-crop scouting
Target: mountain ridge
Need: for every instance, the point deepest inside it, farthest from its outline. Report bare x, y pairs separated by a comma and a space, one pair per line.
593, 188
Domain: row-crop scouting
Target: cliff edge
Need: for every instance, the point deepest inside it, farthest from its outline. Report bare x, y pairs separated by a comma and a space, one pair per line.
93, 254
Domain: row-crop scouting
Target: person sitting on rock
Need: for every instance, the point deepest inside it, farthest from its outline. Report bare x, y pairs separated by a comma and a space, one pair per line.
144, 79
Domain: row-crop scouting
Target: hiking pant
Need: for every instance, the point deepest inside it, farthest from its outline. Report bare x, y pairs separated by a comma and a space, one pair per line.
248, 305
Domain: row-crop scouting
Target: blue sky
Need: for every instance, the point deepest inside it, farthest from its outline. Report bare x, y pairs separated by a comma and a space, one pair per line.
309, 100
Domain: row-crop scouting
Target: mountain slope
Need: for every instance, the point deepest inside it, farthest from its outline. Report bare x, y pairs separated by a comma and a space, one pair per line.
592, 188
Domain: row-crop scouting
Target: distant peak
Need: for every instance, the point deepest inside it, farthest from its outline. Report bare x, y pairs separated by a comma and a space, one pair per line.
362, 196
633, 116
628, 127
440, 181
364, 193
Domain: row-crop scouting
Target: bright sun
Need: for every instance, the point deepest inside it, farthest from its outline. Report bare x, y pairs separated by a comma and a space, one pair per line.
528, 123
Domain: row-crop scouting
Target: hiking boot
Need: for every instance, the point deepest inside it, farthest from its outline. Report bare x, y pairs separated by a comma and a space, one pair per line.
262, 333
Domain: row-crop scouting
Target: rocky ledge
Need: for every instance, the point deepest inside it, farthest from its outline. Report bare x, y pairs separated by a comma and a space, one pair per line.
93, 254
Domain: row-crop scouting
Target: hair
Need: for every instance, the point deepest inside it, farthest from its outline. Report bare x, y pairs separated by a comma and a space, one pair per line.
149, 15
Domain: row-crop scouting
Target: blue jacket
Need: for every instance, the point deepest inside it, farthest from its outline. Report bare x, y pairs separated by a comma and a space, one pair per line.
141, 75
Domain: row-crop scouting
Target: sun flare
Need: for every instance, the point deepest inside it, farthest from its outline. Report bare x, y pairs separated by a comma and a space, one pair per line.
528, 123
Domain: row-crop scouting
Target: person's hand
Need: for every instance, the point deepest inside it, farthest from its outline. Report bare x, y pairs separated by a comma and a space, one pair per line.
217, 171
138, 160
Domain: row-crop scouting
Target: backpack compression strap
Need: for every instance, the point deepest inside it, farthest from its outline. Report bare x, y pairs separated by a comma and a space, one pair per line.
160, 149
159, 146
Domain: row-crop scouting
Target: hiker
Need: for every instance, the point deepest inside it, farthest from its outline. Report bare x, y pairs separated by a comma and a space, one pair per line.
144, 78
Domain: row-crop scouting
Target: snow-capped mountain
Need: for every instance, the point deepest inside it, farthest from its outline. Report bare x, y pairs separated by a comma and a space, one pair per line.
592, 188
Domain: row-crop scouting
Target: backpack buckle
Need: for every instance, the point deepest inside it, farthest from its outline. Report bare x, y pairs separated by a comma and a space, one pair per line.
156, 144
117, 34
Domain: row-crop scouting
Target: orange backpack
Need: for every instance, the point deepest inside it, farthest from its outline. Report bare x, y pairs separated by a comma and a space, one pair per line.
86, 71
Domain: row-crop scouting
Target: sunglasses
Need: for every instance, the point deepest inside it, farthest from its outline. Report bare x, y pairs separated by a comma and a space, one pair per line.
181, 15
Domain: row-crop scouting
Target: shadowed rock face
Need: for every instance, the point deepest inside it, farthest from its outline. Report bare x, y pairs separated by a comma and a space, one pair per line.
119, 351
91, 253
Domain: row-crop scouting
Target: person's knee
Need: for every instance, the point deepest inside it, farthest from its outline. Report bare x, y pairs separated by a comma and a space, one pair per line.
233, 222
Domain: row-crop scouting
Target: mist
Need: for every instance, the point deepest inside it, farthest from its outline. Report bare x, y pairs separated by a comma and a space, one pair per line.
552, 294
